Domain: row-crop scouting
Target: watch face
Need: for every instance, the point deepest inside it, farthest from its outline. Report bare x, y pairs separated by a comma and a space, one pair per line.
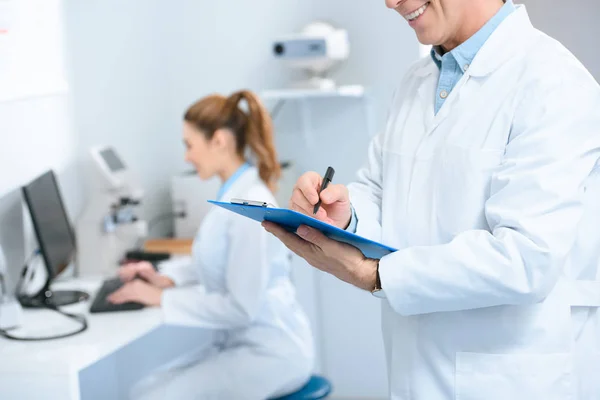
379, 293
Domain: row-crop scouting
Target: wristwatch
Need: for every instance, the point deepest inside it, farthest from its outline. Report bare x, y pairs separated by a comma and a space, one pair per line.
378, 291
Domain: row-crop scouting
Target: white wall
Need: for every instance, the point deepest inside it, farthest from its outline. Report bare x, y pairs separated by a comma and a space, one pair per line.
35, 132
574, 24
118, 77
216, 47
35, 135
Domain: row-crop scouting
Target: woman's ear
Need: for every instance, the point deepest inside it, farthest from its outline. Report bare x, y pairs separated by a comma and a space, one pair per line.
222, 140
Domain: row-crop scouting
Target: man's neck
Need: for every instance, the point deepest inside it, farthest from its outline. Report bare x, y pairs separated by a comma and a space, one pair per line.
480, 13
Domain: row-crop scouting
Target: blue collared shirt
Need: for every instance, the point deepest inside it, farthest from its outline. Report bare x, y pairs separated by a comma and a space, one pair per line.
453, 64
229, 182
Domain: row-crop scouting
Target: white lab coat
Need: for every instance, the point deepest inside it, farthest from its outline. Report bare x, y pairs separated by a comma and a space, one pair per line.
484, 200
238, 287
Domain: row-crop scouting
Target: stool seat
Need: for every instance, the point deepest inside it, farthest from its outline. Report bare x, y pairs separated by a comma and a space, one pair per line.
317, 388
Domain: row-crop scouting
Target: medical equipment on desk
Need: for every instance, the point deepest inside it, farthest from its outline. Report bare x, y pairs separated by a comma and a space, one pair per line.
109, 224
316, 49
46, 212
57, 248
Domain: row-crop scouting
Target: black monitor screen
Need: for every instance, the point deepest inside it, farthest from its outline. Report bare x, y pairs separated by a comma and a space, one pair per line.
112, 160
50, 221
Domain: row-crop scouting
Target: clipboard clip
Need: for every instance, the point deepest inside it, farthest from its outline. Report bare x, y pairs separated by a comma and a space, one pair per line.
251, 203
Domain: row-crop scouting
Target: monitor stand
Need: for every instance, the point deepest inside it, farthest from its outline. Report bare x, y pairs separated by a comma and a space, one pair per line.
61, 298
54, 298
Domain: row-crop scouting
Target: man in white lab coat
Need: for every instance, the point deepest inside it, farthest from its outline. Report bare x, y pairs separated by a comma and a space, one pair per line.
480, 181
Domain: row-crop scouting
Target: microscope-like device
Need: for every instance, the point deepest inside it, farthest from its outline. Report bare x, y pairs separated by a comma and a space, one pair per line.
110, 224
317, 49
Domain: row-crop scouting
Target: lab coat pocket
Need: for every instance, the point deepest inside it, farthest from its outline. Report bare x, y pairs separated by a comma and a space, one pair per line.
514, 376
463, 180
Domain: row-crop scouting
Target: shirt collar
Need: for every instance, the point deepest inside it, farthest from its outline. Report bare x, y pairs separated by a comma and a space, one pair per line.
232, 179
466, 52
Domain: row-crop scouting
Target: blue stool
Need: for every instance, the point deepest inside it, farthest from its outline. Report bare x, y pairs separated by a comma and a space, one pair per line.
317, 388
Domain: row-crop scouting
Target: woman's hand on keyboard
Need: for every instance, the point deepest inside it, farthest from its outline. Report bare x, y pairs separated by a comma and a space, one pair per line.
145, 270
137, 291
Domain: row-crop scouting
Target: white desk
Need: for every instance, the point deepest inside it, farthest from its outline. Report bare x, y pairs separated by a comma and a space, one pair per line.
116, 350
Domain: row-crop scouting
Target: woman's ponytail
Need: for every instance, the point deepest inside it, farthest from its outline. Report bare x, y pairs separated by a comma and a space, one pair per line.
257, 134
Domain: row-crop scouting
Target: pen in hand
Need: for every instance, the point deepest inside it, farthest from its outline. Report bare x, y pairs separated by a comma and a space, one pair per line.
326, 180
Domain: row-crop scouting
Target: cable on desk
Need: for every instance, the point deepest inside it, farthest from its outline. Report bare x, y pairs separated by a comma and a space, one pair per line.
79, 318
37, 302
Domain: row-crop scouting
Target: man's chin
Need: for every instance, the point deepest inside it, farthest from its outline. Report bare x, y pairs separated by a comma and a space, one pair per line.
426, 40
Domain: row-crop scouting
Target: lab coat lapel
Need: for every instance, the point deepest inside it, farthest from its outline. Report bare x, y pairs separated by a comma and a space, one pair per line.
467, 95
427, 96
513, 36
426, 92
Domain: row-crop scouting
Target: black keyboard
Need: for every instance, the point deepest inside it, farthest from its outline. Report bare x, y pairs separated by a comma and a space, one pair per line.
101, 303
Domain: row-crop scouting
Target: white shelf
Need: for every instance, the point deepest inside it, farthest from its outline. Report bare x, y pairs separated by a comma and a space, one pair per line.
356, 91
303, 97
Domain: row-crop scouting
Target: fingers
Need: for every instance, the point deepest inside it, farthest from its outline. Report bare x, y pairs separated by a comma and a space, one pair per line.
145, 267
306, 195
123, 295
335, 193
146, 271
300, 242
300, 203
292, 241
330, 247
308, 185
313, 236
128, 272
137, 291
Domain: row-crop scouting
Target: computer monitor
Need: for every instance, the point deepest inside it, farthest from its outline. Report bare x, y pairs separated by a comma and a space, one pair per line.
55, 236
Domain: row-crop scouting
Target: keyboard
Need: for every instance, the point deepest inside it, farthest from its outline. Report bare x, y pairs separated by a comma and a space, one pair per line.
101, 303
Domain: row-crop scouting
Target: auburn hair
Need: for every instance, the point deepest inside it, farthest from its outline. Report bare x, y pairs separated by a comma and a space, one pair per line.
252, 128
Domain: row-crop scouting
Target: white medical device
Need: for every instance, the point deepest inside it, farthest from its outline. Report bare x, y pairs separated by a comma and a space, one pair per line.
110, 224
316, 50
110, 165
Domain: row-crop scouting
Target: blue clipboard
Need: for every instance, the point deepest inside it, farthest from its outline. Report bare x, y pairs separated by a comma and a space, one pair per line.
291, 220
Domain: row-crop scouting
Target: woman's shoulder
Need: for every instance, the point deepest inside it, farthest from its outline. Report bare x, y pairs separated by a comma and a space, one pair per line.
258, 191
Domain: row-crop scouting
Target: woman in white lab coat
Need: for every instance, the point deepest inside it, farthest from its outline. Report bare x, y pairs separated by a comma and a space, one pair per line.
257, 343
